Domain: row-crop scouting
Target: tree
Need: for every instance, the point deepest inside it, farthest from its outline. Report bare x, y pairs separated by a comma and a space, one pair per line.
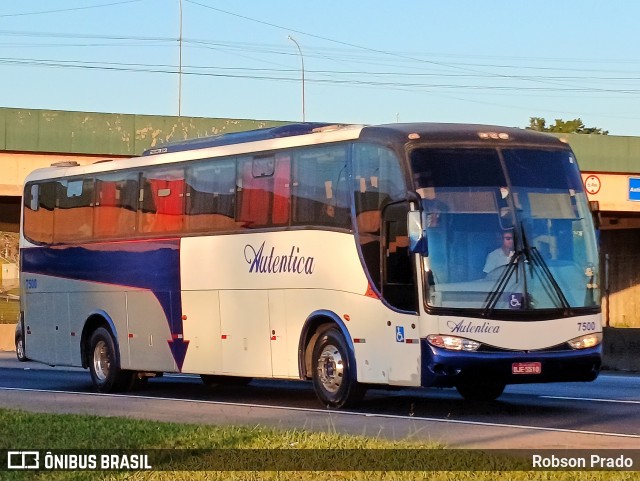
575, 126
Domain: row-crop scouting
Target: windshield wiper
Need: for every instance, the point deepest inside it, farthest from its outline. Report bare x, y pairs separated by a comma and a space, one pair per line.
538, 259
501, 284
535, 258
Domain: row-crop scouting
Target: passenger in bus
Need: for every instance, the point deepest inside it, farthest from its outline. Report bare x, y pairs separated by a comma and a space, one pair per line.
502, 255
334, 215
329, 211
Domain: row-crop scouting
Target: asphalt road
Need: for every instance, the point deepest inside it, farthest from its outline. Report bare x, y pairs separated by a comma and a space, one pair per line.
601, 414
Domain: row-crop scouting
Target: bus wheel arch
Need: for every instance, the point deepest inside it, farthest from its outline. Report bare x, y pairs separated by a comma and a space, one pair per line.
100, 353
327, 358
310, 332
92, 323
317, 322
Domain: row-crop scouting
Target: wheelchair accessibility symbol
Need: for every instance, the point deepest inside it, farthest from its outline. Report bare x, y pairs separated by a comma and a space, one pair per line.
399, 334
516, 300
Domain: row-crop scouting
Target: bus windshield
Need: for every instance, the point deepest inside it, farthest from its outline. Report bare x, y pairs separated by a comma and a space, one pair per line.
507, 229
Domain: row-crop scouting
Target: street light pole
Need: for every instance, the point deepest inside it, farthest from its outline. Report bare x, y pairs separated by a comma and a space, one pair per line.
180, 65
301, 60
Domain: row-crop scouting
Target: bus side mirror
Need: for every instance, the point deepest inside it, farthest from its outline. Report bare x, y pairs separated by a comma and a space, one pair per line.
417, 236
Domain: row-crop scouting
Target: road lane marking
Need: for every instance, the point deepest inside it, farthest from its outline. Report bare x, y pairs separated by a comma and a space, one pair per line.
335, 412
568, 398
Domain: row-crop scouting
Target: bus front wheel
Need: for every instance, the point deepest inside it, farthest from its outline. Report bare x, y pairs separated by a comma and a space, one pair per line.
334, 379
105, 366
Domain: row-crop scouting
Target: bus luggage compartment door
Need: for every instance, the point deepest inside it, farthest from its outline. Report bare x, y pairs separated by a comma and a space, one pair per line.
245, 333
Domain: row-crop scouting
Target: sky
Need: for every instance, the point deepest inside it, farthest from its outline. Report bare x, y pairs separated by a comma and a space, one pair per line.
370, 62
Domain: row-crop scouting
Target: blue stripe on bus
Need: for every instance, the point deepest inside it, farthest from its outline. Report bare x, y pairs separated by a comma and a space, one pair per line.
153, 265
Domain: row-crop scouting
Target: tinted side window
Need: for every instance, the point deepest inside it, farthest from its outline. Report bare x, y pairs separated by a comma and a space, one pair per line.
378, 180
211, 196
73, 215
263, 190
39, 203
116, 204
161, 201
320, 187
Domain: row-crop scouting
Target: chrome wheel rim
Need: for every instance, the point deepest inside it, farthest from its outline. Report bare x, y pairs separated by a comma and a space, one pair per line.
19, 349
101, 362
330, 368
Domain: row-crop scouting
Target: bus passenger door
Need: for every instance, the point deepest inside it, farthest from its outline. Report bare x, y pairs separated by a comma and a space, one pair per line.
398, 276
399, 290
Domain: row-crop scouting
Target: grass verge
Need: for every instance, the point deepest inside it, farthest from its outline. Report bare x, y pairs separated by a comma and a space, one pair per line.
21, 430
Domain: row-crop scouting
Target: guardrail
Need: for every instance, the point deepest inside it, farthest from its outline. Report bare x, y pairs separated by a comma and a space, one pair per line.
621, 349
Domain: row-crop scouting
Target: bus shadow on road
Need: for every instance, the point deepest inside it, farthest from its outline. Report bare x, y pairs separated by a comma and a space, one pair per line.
427, 403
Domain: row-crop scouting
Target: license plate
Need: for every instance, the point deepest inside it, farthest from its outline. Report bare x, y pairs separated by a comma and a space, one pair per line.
526, 368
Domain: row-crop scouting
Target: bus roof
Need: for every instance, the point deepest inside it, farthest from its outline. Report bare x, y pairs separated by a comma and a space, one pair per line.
432, 132
476, 134
313, 133
269, 133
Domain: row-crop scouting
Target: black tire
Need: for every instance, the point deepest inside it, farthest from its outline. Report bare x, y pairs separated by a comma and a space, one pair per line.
20, 349
334, 377
211, 380
104, 364
480, 392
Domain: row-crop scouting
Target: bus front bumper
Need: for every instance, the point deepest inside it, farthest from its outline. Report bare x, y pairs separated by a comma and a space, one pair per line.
445, 368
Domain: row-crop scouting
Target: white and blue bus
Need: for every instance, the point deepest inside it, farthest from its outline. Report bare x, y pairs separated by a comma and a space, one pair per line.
351, 256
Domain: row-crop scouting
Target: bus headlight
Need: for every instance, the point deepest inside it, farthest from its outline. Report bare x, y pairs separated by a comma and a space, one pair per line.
453, 343
583, 342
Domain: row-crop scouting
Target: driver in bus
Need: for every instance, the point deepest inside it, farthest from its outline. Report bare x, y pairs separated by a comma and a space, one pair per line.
502, 255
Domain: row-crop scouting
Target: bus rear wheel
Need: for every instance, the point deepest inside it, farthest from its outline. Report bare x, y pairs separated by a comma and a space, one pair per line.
105, 365
480, 392
22, 357
334, 379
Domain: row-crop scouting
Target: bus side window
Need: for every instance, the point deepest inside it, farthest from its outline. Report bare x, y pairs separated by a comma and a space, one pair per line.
255, 188
162, 201
115, 208
281, 190
377, 181
263, 191
73, 215
39, 203
211, 193
321, 195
